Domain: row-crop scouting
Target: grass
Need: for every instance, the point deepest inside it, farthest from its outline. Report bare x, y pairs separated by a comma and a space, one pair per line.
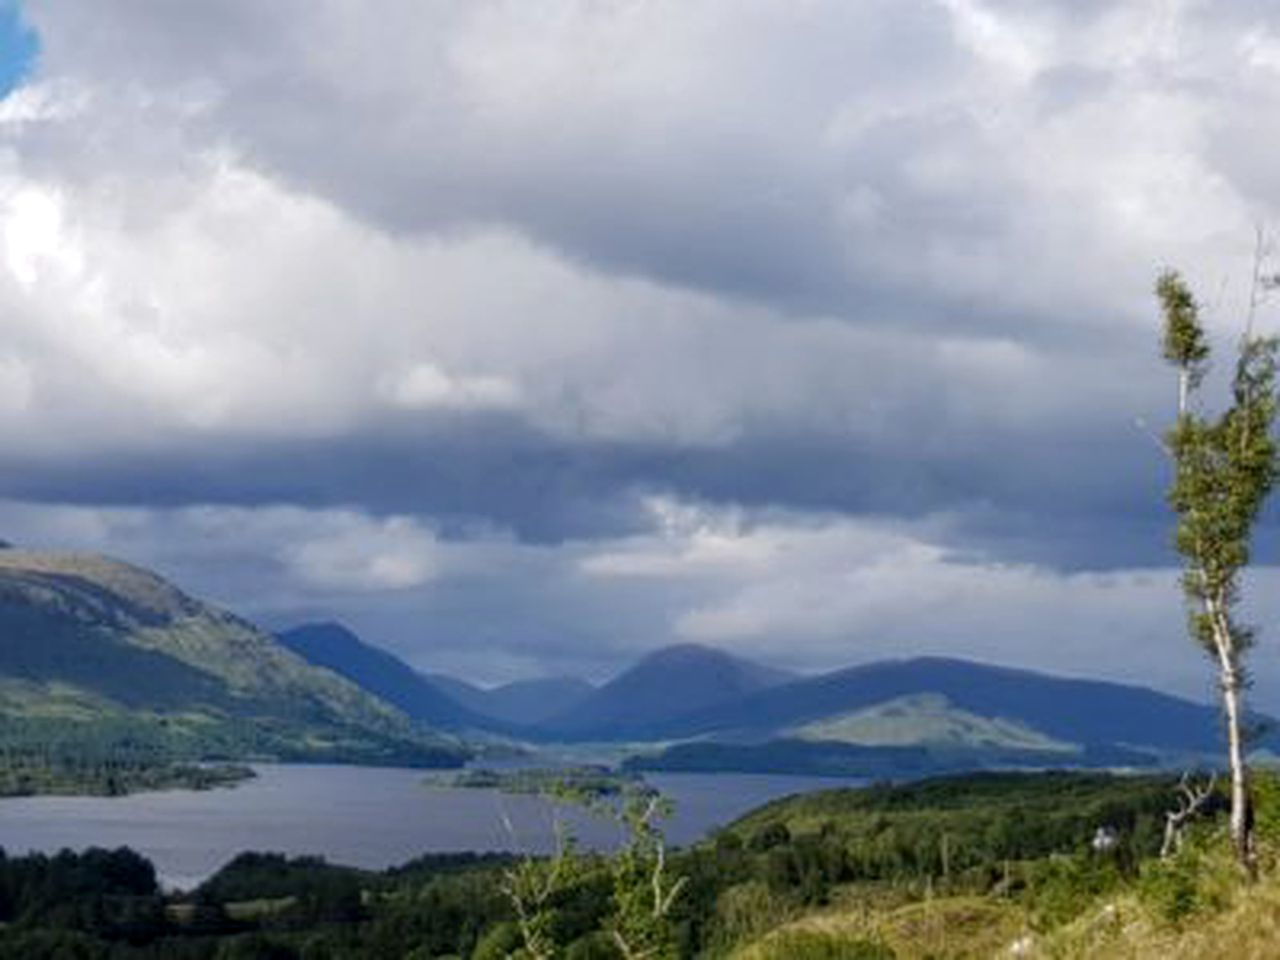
1217, 914
946, 928
929, 719
1069, 905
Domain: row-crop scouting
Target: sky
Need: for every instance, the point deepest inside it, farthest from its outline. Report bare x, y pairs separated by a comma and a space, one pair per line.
528, 337
17, 46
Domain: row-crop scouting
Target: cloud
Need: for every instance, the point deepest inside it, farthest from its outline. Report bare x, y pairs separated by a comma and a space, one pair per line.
832, 591
798, 590
425, 386
481, 283
391, 555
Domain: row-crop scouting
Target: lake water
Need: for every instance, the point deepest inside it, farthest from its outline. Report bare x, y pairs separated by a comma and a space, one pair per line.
366, 817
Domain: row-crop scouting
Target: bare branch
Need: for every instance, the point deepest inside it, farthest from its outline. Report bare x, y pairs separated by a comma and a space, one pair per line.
1191, 800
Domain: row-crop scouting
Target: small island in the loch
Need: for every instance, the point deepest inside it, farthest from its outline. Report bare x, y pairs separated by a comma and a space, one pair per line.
589, 780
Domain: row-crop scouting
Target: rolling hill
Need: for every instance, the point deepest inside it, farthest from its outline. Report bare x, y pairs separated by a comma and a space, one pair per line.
96, 651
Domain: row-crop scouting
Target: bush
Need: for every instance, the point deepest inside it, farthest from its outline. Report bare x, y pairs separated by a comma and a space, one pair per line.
748, 911
1203, 876
1060, 888
811, 945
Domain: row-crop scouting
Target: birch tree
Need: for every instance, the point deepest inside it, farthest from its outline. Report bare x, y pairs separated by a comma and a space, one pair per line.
1224, 466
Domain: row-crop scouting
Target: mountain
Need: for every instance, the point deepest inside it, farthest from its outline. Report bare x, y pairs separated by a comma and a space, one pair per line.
465, 694
962, 714
1060, 708
534, 702
522, 704
433, 699
334, 647
672, 682
96, 650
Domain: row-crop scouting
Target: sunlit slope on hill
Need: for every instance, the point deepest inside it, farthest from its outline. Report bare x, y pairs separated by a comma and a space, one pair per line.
93, 649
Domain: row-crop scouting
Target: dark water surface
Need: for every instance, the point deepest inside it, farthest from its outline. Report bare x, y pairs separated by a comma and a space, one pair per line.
366, 817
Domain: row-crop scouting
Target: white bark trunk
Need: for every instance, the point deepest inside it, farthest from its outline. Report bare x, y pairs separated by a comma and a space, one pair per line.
1232, 701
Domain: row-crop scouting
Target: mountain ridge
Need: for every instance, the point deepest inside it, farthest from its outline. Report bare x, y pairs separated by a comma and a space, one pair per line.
1161, 719
337, 648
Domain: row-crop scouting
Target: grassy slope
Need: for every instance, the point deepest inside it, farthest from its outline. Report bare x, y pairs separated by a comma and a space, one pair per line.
1245, 925
1194, 907
94, 646
928, 719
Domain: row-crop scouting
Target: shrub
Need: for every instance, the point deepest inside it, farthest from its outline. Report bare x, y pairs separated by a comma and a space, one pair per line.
811, 945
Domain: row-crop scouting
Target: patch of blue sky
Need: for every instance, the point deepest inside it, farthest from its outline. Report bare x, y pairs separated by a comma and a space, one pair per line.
19, 46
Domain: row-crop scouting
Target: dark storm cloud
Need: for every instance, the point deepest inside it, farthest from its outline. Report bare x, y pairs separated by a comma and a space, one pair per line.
1086, 500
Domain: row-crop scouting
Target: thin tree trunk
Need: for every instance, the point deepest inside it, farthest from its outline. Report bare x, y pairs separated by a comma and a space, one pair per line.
1241, 813
1232, 701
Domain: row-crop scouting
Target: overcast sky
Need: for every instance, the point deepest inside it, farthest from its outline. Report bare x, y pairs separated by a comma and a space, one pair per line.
529, 336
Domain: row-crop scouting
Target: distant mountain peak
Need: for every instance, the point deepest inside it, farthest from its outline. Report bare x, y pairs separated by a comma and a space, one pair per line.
667, 682
679, 651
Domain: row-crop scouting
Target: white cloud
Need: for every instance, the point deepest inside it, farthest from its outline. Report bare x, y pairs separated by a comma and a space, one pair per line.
254, 226
394, 554
424, 386
832, 591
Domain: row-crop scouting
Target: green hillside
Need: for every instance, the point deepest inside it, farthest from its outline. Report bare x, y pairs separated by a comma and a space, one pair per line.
98, 657
928, 720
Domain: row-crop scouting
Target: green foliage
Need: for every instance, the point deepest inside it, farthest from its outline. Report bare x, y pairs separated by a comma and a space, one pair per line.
574, 784
812, 945
1224, 468
1172, 886
1266, 806
644, 890
597, 945
1185, 345
747, 911
499, 943
1060, 888
979, 821
1195, 880
81, 769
